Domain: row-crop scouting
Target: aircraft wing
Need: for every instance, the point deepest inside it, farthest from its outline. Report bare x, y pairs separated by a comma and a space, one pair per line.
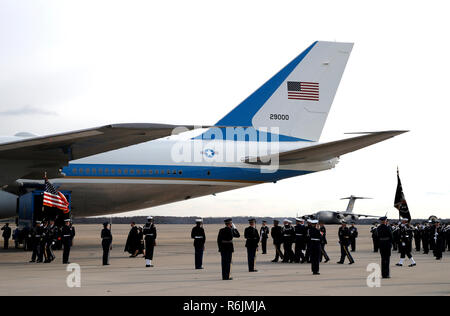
359, 215
325, 151
30, 157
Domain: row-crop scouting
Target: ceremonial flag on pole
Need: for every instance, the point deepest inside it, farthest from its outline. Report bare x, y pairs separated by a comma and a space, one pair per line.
54, 198
400, 201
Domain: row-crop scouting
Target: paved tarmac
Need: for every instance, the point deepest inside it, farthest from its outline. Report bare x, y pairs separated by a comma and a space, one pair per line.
174, 272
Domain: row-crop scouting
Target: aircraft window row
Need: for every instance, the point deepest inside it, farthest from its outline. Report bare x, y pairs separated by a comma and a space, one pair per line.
124, 171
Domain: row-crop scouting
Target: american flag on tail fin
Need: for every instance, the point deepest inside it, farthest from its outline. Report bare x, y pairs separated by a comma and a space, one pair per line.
54, 198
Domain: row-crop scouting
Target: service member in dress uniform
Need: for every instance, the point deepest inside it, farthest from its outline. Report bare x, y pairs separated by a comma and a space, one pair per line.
373, 231
264, 233
315, 247
42, 241
6, 235
344, 240
385, 239
277, 235
405, 235
417, 236
252, 240
149, 232
288, 240
353, 235
300, 240
323, 233
106, 242
426, 238
198, 234
35, 239
447, 236
396, 234
51, 236
438, 240
308, 241
67, 234
226, 249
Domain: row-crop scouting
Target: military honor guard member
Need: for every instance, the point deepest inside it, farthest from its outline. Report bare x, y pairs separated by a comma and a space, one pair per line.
417, 236
288, 240
373, 232
323, 233
226, 249
353, 235
315, 247
51, 236
344, 240
198, 234
6, 235
34, 237
106, 242
252, 240
395, 233
277, 236
426, 238
447, 235
149, 232
264, 233
438, 237
300, 240
405, 235
385, 240
67, 234
308, 241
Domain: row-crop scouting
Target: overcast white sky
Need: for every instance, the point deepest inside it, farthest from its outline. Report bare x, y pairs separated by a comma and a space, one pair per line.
67, 65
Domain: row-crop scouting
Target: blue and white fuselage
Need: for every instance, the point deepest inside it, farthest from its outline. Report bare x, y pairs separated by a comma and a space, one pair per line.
148, 175
272, 135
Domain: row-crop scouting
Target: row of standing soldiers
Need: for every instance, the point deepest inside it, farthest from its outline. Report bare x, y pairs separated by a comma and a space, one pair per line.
388, 237
43, 237
431, 235
310, 239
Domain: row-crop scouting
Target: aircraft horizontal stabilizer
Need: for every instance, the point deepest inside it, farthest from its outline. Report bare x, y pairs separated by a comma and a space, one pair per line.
326, 151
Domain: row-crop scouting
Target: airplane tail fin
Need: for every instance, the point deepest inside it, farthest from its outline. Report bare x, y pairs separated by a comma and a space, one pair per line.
351, 203
295, 101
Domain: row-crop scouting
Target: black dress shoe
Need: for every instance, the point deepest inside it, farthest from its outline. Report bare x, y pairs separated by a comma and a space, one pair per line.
274, 260
253, 271
339, 262
412, 265
316, 273
399, 265
351, 262
327, 260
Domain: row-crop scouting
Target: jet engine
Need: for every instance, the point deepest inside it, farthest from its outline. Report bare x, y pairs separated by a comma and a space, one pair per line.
8, 204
